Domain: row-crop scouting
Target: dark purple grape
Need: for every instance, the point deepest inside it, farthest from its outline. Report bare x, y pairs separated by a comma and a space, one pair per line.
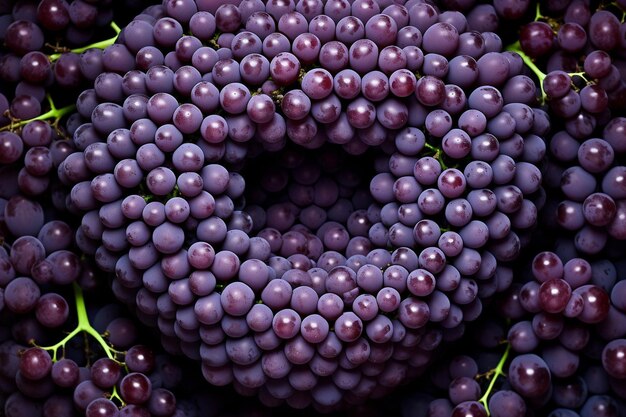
135, 388
529, 375
35, 363
604, 30
23, 36
536, 39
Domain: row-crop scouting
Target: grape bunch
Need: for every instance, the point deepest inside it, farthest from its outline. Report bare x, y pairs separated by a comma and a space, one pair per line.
586, 93
286, 300
568, 323
31, 157
52, 47
46, 369
563, 330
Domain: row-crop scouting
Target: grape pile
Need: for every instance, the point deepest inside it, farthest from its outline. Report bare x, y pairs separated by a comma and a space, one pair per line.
318, 203
54, 47
587, 94
47, 380
161, 199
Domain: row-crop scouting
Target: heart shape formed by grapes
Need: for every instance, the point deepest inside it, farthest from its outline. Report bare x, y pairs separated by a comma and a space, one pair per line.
307, 201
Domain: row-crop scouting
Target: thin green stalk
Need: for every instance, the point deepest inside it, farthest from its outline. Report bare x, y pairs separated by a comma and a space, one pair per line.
538, 15
54, 114
98, 45
579, 74
516, 47
437, 154
83, 326
494, 374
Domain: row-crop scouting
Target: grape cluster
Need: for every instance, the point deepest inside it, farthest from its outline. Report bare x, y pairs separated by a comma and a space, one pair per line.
36, 273
31, 159
586, 93
564, 335
568, 324
38, 61
158, 177
45, 368
69, 389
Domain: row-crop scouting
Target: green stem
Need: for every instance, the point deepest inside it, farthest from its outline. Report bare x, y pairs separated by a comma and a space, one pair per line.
436, 154
213, 41
53, 113
98, 45
495, 373
175, 193
82, 326
278, 95
431, 148
579, 74
116, 396
301, 75
116, 28
538, 15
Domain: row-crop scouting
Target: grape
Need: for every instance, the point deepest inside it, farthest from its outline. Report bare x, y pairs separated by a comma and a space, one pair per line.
135, 388
24, 36
307, 47
317, 84
35, 363
105, 372
402, 83
234, 98
363, 55
21, 295
441, 38
65, 373
463, 389
529, 375
603, 30
162, 402
284, 68
52, 310
430, 91
473, 408
598, 64
506, 403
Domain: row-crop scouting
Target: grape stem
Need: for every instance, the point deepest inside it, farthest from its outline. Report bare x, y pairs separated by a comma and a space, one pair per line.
581, 75
516, 47
436, 154
53, 113
145, 193
301, 75
82, 326
213, 41
494, 374
538, 15
174, 193
98, 45
116, 396
278, 96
